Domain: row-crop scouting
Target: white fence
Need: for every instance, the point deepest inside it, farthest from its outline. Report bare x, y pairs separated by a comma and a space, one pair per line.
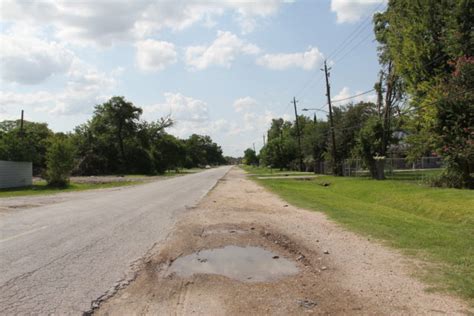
15, 174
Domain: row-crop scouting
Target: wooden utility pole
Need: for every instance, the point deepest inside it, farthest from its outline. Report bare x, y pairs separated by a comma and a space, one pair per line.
335, 161
300, 154
21, 123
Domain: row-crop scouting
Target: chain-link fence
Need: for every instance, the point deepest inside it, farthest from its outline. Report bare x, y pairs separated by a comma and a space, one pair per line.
393, 166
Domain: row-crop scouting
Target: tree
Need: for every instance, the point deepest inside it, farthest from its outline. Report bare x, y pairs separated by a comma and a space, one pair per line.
250, 157
425, 40
169, 153
370, 142
348, 121
120, 118
201, 151
315, 136
27, 145
281, 148
453, 125
59, 161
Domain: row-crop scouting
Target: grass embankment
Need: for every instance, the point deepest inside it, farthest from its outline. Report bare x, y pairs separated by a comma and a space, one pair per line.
41, 188
436, 225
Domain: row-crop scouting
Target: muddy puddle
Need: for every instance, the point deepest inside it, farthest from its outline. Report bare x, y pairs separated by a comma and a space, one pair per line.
248, 264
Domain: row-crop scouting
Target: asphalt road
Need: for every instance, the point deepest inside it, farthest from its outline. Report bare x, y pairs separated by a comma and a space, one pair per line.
58, 258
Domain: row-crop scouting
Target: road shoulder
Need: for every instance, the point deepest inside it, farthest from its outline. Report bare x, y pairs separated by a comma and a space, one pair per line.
339, 271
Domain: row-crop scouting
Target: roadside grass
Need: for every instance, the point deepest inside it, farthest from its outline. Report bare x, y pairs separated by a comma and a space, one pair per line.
264, 171
41, 188
168, 173
433, 224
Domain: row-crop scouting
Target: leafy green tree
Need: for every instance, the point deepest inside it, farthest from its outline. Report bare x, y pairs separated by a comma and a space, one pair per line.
370, 143
281, 148
59, 161
425, 40
315, 137
120, 118
453, 126
250, 157
169, 153
27, 145
201, 151
348, 121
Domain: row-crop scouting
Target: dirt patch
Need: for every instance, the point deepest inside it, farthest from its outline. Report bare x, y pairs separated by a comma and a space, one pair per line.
338, 272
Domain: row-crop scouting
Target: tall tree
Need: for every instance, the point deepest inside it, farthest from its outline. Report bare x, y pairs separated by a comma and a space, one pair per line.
425, 40
121, 118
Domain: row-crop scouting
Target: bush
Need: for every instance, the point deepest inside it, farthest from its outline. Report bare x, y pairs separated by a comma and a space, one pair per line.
59, 162
448, 179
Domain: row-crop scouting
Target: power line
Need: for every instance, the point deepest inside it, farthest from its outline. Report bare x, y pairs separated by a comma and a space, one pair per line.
353, 48
355, 32
339, 100
341, 47
352, 97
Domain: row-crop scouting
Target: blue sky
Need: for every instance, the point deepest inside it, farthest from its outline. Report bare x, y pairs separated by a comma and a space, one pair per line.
222, 68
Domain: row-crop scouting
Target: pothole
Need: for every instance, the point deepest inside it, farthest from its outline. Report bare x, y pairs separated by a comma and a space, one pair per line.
248, 264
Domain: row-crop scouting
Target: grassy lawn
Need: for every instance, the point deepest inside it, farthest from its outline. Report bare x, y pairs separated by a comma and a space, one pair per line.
436, 225
40, 188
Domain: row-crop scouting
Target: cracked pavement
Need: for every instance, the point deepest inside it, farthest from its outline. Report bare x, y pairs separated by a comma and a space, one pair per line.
59, 258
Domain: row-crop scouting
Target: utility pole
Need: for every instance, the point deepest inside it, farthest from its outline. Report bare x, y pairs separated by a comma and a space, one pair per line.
21, 123
300, 154
263, 140
335, 162
253, 146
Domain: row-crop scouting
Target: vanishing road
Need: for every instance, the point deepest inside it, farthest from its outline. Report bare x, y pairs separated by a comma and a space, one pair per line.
58, 258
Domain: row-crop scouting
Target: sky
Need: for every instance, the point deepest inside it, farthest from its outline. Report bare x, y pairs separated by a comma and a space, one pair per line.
220, 68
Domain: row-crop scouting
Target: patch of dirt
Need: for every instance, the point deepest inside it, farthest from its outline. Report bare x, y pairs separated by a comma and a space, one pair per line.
339, 272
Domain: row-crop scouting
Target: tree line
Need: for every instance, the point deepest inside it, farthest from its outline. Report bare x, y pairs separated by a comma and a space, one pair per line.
114, 141
424, 106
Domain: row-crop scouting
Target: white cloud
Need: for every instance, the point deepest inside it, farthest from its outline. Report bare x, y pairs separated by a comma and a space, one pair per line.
106, 22
244, 104
27, 59
153, 56
191, 116
307, 60
249, 12
85, 87
352, 10
346, 93
222, 52
181, 108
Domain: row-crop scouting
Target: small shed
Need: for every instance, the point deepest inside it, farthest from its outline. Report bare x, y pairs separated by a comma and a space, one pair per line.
15, 174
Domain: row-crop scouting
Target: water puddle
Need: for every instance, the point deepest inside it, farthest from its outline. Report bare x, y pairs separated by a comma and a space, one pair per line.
249, 264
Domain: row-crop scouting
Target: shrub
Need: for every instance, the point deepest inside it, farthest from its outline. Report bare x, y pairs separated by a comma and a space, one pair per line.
59, 161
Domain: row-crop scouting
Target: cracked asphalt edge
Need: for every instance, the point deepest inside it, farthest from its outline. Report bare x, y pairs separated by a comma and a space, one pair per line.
137, 265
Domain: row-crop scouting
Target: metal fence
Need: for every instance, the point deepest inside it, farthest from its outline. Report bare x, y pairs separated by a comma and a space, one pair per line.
15, 174
355, 167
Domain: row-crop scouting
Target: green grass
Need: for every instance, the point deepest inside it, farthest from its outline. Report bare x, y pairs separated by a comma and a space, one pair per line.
436, 225
264, 171
41, 188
